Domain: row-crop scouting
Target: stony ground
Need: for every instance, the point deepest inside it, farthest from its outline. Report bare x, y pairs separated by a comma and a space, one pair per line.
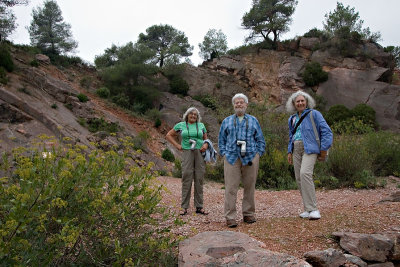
278, 224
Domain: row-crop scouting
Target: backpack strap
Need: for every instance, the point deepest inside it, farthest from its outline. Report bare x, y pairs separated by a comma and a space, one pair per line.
298, 123
315, 130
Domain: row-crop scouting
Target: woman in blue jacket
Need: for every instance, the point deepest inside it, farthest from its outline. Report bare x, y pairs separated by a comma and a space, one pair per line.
305, 147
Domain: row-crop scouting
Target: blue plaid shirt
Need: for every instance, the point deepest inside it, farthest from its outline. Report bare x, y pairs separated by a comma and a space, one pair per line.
248, 130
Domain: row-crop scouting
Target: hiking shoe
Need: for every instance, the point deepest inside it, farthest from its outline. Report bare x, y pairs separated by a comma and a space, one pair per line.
231, 223
249, 219
314, 215
304, 215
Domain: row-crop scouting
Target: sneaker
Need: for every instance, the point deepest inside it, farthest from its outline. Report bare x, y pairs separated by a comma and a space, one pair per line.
231, 223
314, 215
249, 219
304, 215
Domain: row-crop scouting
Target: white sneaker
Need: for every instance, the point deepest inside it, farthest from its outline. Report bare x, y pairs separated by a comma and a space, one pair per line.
314, 215
304, 215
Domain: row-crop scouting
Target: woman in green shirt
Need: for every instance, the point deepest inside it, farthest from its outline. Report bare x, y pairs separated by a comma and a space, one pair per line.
192, 132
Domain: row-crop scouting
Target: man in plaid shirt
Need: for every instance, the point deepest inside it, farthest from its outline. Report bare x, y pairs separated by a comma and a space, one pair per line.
241, 143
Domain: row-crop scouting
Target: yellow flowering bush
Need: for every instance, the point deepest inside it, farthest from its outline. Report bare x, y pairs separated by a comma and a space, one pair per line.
80, 207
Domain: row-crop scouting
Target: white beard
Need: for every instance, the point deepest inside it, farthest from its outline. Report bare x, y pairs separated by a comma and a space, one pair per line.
240, 111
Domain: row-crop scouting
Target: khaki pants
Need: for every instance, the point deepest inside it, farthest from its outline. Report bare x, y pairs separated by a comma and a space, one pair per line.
303, 170
193, 168
233, 175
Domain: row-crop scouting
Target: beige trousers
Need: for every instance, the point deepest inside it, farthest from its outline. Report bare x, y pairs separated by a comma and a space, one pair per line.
303, 170
233, 175
193, 168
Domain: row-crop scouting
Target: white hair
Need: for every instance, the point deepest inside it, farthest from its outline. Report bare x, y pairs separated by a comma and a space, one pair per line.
185, 116
290, 102
239, 96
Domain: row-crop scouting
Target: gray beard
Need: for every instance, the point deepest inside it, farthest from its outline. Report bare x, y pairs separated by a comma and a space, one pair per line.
240, 111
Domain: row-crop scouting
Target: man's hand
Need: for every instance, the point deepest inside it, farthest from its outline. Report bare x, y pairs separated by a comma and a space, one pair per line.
322, 155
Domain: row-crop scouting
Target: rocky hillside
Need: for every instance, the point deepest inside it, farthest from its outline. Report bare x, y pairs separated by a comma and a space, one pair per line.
44, 99
274, 75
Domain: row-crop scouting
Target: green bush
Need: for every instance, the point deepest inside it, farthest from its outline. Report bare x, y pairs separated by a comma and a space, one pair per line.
179, 86
54, 106
316, 33
314, 74
157, 123
5, 58
351, 126
383, 148
207, 101
34, 63
99, 124
177, 172
121, 100
215, 172
103, 92
365, 113
67, 208
86, 82
337, 113
167, 155
82, 98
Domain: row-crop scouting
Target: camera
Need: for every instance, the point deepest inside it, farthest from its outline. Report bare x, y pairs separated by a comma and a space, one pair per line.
193, 143
242, 145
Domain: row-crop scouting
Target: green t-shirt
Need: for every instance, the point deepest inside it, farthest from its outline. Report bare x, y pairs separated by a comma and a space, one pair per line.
192, 131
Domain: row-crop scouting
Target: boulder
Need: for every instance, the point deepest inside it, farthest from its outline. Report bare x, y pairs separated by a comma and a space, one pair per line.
355, 260
226, 248
351, 87
42, 59
369, 247
325, 258
309, 43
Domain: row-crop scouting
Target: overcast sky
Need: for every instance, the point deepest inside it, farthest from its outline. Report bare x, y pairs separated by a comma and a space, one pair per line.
97, 24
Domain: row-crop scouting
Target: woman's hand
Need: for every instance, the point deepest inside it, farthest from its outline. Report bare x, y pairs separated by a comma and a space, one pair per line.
204, 147
290, 158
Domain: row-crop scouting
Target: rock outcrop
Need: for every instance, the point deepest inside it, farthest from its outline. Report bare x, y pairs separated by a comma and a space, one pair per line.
274, 75
228, 248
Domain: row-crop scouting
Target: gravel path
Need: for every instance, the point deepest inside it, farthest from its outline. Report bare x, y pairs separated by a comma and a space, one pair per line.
278, 224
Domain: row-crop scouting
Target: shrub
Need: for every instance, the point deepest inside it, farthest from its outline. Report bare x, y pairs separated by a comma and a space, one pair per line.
337, 113
82, 97
86, 82
351, 126
157, 123
167, 155
103, 92
207, 101
76, 209
314, 74
383, 148
5, 58
99, 124
177, 172
316, 33
34, 63
179, 86
54, 106
365, 113
215, 172
348, 161
121, 100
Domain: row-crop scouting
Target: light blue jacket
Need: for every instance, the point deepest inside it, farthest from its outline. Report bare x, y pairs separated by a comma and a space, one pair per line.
307, 133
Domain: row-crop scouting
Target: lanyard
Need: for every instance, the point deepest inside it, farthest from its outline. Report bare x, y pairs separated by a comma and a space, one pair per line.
247, 126
197, 128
